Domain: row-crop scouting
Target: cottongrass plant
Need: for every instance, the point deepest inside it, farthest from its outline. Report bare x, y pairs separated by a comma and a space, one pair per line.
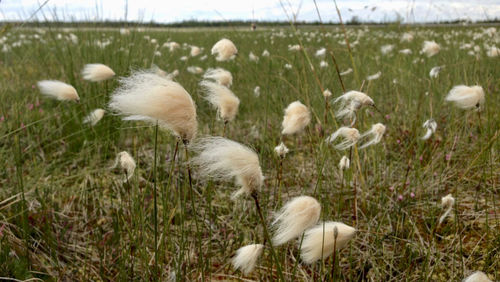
430, 48
58, 90
94, 117
320, 241
350, 135
127, 163
246, 257
225, 50
477, 276
375, 135
350, 103
219, 75
225, 159
223, 99
297, 215
97, 72
467, 97
297, 117
447, 203
430, 125
150, 97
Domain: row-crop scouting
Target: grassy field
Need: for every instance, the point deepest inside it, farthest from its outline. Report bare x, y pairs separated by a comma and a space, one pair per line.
65, 213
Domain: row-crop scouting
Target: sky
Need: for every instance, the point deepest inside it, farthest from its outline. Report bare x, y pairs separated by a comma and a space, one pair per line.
168, 11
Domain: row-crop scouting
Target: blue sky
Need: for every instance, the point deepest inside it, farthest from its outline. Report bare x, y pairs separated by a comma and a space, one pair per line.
173, 11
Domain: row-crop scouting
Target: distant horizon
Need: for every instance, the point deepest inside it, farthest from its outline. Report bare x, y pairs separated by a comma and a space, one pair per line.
147, 11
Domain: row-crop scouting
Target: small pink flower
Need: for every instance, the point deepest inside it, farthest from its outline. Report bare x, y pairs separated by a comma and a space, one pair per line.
40, 110
37, 104
412, 195
407, 183
32, 86
22, 125
421, 158
2, 118
391, 188
400, 197
398, 141
448, 157
30, 106
387, 117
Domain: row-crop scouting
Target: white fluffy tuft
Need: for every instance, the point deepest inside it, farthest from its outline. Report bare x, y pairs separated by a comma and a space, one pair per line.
477, 276
221, 98
321, 240
222, 158
220, 75
297, 117
246, 257
224, 49
97, 72
58, 90
94, 117
375, 134
351, 136
466, 97
430, 48
294, 217
148, 96
126, 162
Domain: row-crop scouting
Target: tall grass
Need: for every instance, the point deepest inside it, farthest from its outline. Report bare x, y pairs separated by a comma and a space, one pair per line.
61, 204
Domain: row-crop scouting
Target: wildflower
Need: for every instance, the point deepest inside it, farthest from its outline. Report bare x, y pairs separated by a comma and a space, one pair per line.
94, 117
297, 117
344, 163
58, 90
194, 70
97, 72
246, 257
281, 150
430, 48
226, 159
265, 53
323, 64
493, 51
150, 97
431, 127
220, 75
466, 97
407, 37
405, 51
351, 136
195, 51
435, 72
224, 49
386, 49
294, 47
376, 133
296, 216
252, 57
327, 93
320, 241
374, 76
447, 203
256, 91
477, 276
221, 98
126, 162
320, 53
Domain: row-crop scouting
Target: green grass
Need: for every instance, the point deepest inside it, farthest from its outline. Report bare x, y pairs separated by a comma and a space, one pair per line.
65, 215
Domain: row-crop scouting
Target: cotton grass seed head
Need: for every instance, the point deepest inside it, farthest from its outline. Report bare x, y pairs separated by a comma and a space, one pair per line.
344, 163
350, 135
58, 90
467, 97
246, 257
221, 98
281, 150
477, 276
350, 102
447, 203
224, 49
374, 134
97, 72
150, 97
226, 159
430, 48
297, 117
297, 215
321, 240
126, 162
94, 117
219, 75
430, 125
